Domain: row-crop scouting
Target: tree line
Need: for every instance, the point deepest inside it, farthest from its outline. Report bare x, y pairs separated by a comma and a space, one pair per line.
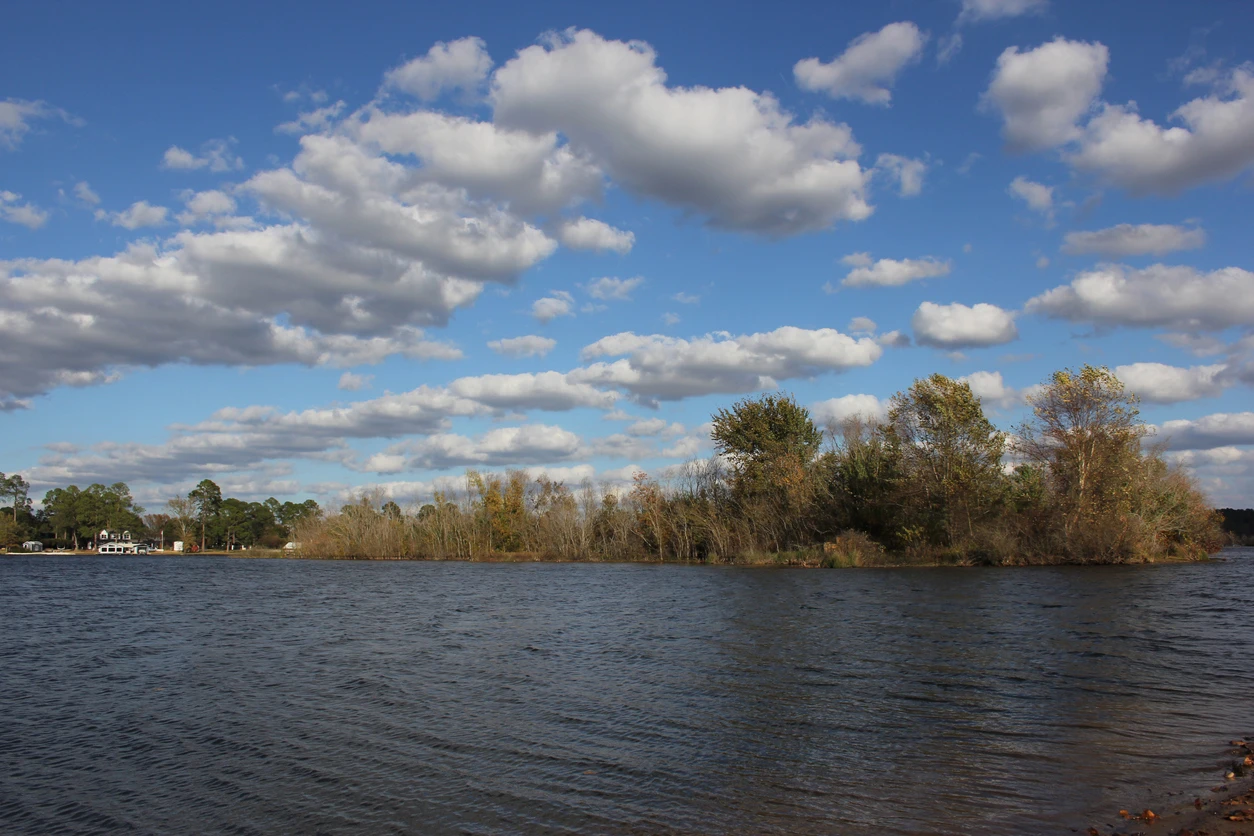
932, 482
1239, 524
72, 517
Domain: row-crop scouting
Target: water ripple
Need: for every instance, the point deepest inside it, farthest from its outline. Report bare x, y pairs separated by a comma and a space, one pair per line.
156, 695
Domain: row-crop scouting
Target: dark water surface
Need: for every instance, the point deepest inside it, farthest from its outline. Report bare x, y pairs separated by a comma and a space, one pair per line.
209, 695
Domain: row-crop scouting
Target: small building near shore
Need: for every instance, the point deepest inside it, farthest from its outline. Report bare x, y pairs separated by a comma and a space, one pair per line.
32, 546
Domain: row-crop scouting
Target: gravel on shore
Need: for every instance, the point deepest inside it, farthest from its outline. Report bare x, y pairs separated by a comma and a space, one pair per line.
1226, 808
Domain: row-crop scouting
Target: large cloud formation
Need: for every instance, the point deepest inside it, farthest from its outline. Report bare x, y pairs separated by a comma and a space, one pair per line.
1048, 98
668, 368
237, 438
391, 218
731, 155
1181, 298
281, 294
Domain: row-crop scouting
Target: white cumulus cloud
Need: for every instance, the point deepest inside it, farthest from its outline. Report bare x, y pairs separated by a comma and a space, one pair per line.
530, 171
907, 172
835, 411
463, 65
16, 116
591, 234
960, 326
869, 66
610, 289
1180, 298
281, 294
1208, 432
532, 444
351, 382
27, 214
530, 345
889, 272
1042, 93
318, 119
671, 368
84, 192
548, 308
979, 10
991, 389
1160, 383
215, 155
1134, 239
730, 154
1214, 140
212, 205
138, 215
1038, 196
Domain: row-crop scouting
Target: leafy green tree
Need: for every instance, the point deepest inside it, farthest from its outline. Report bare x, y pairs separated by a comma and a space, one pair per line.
501, 508
1085, 436
263, 528
950, 457
235, 523
863, 473
275, 510
771, 444
291, 514
18, 489
112, 508
207, 498
765, 439
120, 508
61, 512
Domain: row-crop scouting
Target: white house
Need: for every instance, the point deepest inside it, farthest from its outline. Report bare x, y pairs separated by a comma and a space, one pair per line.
32, 546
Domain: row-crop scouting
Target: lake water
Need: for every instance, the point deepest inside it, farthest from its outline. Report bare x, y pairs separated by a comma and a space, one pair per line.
210, 695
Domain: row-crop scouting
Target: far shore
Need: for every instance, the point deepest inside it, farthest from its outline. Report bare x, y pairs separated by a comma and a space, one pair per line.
811, 559
801, 559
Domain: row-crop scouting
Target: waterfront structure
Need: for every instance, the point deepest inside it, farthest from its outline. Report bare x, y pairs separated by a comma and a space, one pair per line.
122, 548
107, 536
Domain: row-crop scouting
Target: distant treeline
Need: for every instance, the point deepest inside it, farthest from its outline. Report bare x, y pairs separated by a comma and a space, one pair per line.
933, 483
73, 517
1239, 524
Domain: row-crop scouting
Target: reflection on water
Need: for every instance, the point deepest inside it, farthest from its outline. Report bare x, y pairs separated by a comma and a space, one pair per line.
213, 695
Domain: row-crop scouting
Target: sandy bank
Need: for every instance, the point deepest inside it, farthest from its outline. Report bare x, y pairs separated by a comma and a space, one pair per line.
1225, 808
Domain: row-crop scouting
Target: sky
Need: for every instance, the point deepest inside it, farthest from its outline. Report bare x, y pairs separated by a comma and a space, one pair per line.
306, 249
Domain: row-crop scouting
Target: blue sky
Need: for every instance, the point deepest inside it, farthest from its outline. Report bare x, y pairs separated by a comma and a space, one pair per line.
312, 247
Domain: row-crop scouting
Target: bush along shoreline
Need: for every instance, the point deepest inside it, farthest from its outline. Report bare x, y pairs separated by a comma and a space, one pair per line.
932, 483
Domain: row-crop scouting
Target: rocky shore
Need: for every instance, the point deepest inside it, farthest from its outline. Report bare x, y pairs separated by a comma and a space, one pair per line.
1226, 808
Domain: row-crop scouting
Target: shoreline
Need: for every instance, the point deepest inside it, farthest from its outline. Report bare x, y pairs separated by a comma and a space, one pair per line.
1226, 808
782, 560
